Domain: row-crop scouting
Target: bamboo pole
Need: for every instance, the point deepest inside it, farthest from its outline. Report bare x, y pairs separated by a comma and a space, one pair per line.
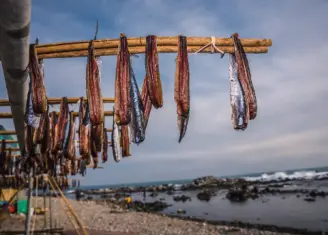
9, 115
12, 132
71, 100
141, 49
69, 206
6, 132
15, 141
141, 42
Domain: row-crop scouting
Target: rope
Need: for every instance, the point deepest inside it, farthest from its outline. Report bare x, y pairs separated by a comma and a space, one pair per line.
70, 208
62, 205
213, 47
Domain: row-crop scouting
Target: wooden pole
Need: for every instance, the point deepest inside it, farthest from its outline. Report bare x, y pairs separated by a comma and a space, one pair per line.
141, 41
5, 132
71, 100
29, 202
141, 50
9, 115
12, 132
69, 207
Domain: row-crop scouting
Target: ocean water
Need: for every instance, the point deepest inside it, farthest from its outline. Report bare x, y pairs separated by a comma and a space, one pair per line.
304, 173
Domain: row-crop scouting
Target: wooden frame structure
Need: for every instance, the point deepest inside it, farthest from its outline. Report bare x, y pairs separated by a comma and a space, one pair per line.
137, 45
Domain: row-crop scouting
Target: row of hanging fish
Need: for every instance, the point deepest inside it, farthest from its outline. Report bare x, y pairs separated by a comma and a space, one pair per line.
132, 108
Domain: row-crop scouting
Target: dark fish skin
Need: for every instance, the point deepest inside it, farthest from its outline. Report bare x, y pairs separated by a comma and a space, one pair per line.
97, 135
39, 132
94, 96
46, 138
69, 152
39, 96
245, 79
61, 126
84, 128
94, 154
53, 122
125, 142
181, 87
29, 146
154, 84
105, 147
146, 101
122, 115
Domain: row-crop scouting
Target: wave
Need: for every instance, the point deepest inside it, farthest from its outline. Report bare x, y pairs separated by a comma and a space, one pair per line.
297, 175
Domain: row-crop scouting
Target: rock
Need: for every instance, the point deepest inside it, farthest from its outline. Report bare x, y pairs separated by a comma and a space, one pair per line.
180, 211
205, 195
309, 199
242, 193
156, 206
153, 194
182, 198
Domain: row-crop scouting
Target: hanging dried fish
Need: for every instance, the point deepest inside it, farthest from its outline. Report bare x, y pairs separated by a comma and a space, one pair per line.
146, 102
94, 96
61, 126
52, 127
39, 132
237, 98
97, 135
125, 142
82, 167
116, 142
154, 84
122, 115
137, 123
181, 86
94, 154
69, 150
244, 75
73, 167
46, 138
84, 128
39, 96
104, 155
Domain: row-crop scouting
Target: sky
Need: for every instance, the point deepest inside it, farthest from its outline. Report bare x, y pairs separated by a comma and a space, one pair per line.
290, 81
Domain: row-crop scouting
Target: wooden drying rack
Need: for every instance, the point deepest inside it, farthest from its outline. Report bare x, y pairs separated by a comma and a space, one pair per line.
52, 101
106, 47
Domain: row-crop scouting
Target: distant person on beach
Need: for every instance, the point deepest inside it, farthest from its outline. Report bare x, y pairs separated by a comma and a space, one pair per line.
128, 201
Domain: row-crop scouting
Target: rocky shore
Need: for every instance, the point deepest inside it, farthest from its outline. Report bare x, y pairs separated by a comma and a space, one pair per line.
106, 216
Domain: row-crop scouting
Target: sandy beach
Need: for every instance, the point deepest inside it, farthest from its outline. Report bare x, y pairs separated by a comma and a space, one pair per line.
113, 218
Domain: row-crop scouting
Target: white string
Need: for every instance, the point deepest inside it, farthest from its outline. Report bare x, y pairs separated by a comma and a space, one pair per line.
213, 47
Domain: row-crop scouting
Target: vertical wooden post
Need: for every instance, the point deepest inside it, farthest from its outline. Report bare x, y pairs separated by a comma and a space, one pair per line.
29, 202
50, 209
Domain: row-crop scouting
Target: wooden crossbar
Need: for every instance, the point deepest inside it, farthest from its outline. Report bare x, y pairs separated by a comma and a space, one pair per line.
71, 100
137, 45
9, 115
12, 132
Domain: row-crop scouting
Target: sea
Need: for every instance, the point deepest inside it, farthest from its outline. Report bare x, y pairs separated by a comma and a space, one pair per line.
285, 210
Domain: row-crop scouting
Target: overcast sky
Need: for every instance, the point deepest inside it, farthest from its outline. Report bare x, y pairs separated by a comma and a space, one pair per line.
290, 130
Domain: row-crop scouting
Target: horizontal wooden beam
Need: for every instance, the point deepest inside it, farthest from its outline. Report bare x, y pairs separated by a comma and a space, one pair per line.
71, 100
141, 49
11, 132
16, 141
141, 42
9, 115
6, 132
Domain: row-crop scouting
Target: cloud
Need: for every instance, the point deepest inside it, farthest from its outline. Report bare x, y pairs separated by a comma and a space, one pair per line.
290, 81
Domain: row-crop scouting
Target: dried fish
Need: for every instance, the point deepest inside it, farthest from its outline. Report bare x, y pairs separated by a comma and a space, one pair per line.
94, 154
39, 96
116, 142
39, 132
93, 88
105, 147
181, 86
53, 123
69, 150
46, 139
97, 135
137, 124
146, 101
84, 128
61, 126
154, 83
125, 142
237, 98
244, 75
122, 115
